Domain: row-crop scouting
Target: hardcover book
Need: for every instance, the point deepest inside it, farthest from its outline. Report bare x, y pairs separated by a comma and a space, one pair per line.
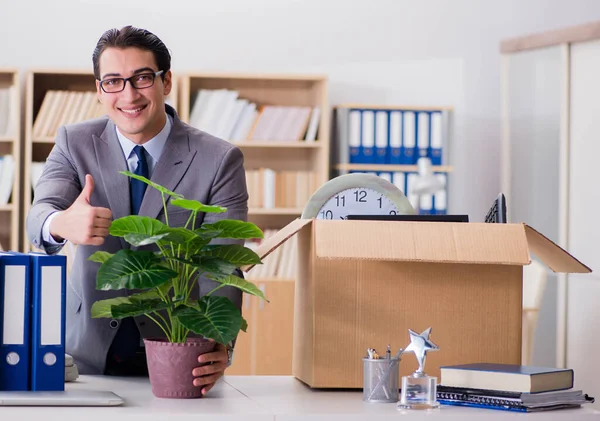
506, 377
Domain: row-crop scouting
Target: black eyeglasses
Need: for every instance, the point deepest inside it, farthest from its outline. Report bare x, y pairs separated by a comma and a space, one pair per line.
139, 81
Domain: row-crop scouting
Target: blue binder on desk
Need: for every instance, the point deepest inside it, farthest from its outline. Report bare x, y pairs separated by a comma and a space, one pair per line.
15, 327
48, 275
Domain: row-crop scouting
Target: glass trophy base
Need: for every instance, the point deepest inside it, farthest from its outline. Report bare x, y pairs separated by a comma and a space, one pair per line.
419, 391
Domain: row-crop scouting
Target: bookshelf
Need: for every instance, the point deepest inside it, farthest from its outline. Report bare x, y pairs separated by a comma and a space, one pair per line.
279, 161
388, 140
54, 97
10, 145
309, 157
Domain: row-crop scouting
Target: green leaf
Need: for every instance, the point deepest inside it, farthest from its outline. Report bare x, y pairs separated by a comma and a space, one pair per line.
195, 206
237, 282
103, 308
134, 224
178, 235
138, 308
143, 239
207, 232
100, 256
213, 266
152, 184
190, 240
133, 269
233, 253
214, 318
244, 325
232, 228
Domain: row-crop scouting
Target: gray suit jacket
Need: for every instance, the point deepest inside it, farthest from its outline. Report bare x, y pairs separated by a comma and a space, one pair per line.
193, 163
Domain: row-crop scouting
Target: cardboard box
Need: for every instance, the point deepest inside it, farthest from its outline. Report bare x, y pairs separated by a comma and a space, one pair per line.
363, 284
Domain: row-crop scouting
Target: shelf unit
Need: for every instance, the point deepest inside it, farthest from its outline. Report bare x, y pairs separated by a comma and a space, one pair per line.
37, 148
266, 349
10, 144
274, 89
372, 138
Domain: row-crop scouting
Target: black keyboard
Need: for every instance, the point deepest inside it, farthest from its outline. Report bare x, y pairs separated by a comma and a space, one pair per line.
497, 213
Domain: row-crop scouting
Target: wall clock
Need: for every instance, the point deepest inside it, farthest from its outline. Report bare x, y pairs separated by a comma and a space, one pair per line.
356, 194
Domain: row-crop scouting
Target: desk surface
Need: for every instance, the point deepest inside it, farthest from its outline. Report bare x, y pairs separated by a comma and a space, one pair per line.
254, 398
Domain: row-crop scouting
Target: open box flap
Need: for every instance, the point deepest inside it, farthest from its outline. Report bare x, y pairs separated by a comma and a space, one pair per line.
280, 237
555, 257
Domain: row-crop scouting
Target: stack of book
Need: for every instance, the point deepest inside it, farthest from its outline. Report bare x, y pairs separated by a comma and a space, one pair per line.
509, 387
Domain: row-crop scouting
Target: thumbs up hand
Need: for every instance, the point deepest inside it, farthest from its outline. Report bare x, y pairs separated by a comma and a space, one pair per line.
82, 223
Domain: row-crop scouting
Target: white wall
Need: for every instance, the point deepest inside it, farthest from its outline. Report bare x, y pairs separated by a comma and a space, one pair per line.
395, 51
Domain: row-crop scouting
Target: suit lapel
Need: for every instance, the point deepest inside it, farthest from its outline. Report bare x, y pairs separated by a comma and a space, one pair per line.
111, 161
170, 169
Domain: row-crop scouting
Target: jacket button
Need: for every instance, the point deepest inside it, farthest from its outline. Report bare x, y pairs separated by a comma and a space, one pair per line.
114, 323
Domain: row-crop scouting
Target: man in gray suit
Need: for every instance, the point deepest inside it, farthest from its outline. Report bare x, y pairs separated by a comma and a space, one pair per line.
80, 192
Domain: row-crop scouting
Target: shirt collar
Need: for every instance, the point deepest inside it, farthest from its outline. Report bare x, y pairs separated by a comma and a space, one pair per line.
154, 146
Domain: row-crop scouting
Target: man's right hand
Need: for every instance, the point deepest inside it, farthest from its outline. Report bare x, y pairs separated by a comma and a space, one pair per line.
82, 223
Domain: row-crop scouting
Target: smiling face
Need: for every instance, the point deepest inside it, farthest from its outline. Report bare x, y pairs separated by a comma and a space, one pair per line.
139, 114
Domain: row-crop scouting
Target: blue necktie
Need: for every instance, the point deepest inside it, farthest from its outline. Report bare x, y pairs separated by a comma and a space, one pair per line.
138, 187
127, 340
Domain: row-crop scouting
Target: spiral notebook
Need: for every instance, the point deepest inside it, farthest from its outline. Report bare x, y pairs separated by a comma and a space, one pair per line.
511, 401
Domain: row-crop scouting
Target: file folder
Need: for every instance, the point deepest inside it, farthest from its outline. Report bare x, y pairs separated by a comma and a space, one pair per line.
354, 130
14, 309
48, 274
367, 137
395, 139
436, 138
409, 139
381, 136
423, 135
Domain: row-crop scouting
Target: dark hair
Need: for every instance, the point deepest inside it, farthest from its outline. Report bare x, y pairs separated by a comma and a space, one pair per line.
130, 36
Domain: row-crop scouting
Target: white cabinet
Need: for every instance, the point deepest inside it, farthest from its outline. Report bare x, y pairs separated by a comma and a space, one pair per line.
583, 297
551, 177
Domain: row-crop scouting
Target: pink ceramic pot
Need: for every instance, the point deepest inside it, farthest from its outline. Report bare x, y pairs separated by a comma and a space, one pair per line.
170, 366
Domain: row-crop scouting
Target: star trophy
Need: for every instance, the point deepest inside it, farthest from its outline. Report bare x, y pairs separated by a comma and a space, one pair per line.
419, 391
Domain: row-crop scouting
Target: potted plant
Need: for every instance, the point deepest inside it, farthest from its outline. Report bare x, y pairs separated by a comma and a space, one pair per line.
163, 279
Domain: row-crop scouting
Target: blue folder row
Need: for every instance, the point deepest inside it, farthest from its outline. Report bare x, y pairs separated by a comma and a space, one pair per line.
32, 321
400, 137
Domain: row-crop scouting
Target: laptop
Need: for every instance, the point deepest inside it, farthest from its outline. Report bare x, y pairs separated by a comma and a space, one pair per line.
60, 398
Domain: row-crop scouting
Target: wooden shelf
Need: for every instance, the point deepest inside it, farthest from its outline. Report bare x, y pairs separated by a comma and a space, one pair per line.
257, 77
43, 140
10, 215
267, 280
274, 144
396, 107
389, 167
275, 211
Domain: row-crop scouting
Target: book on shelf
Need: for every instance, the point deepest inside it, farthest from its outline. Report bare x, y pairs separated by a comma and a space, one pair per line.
6, 111
64, 107
280, 264
268, 188
507, 377
7, 174
512, 401
222, 113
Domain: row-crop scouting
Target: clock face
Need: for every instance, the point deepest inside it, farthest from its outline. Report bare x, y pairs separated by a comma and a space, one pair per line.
357, 201
356, 194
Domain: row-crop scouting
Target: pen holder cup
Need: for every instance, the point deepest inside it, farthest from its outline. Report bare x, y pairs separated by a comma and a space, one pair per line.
380, 380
